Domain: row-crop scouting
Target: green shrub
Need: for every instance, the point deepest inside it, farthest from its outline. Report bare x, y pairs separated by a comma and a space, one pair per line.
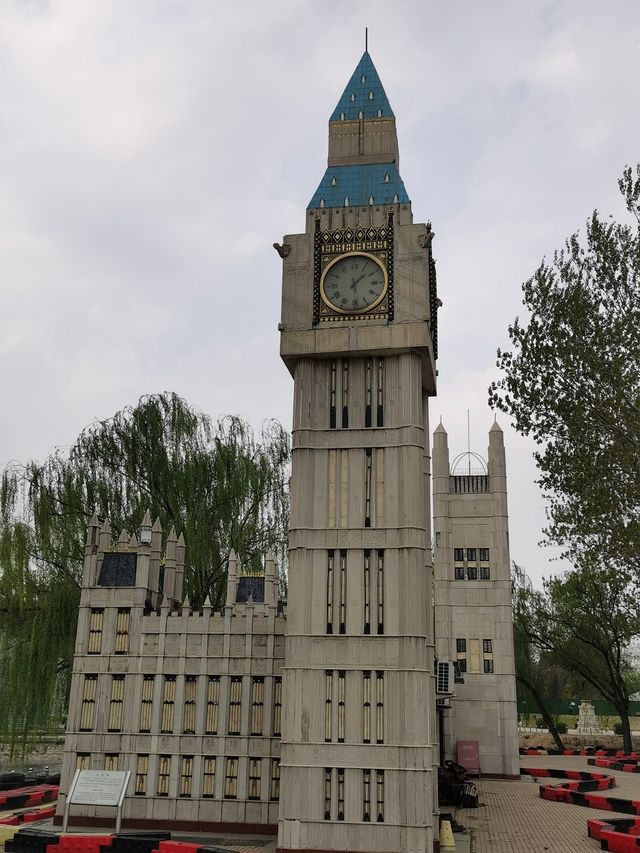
540, 723
561, 727
617, 728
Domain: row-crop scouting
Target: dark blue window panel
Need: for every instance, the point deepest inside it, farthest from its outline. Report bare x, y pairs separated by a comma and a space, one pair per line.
118, 570
250, 587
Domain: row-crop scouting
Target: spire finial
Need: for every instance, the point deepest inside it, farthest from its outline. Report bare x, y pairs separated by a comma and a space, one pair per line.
366, 39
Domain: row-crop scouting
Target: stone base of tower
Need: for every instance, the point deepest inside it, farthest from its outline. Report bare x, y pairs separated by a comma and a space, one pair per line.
493, 725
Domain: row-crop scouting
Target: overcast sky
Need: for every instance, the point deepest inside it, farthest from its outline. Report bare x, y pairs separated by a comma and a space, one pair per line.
152, 151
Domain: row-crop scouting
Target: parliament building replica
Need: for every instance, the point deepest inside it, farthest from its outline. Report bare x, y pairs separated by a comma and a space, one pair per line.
325, 720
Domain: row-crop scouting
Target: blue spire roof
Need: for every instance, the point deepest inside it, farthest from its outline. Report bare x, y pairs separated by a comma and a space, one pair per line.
364, 94
356, 186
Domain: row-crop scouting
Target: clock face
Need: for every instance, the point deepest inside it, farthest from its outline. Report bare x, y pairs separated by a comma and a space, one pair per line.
354, 283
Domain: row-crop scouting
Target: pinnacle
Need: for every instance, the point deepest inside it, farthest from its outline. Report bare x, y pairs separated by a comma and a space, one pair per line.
364, 95
157, 527
440, 430
495, 427
146, 519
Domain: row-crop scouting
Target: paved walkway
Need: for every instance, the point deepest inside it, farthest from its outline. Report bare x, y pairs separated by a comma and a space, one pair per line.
513, 819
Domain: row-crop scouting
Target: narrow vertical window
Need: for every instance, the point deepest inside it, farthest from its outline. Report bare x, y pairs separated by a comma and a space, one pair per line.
367, 487
208, 776
487, 647
327, 793
379, 489
366, 795
111, 761
366, 596
345, 393
257, 705
343, 592
380, 795
366, 707
190, 696
186, 775
213, 704
114, 723
123, 620
87, 711
235, 705
164, 773
332, 396
341, 704
380, 592
146, 704
168, 704
340, 793
330, 568
380, 394
277, 706
96, 618
255, 777
368, 391
332, 492
328, 705
231, 779
274, 787
83, 761
142, 771
379, 707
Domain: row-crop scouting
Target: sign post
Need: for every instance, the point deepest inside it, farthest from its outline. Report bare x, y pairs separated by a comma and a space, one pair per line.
97, 788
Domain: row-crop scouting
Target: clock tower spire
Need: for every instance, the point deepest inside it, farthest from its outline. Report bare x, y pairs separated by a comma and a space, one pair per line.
358, 334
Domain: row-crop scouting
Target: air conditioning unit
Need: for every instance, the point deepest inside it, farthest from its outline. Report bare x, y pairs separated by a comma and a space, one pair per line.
444, 678
443, 703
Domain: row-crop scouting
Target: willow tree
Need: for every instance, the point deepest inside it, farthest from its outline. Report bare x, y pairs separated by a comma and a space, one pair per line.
571, 380
214, 481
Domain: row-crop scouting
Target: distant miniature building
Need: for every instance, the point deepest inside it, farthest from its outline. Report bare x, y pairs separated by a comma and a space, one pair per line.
189, 701
473, 617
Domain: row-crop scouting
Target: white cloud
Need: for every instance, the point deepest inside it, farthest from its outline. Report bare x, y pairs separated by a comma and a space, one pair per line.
151, 152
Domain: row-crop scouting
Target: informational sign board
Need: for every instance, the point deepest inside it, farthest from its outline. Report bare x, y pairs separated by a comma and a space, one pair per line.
97, 788
469, 755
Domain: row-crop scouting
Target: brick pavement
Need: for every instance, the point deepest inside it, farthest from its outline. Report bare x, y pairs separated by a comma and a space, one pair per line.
513, 818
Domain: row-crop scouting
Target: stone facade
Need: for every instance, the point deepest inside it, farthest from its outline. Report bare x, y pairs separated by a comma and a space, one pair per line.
474, 626
189, 701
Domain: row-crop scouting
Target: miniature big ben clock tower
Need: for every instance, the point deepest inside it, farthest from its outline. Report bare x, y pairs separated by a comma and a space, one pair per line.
358, 334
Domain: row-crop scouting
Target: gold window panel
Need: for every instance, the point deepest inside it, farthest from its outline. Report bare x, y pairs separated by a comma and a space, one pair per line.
208, 777
123, 620
231, 779
142, 771
257, 705
88, 707
96, 620
190, 696
146, 705
116, 704
213, 704
168, 703
186, 775
235, 705
164, 773
277, 706
255, 778
274, 791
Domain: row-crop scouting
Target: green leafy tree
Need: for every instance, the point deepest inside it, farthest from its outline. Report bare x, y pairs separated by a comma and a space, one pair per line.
213, 481
572, 382
585, 622
535, 670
